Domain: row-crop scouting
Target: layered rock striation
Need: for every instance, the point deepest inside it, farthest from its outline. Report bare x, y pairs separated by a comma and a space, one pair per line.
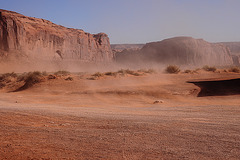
34, 38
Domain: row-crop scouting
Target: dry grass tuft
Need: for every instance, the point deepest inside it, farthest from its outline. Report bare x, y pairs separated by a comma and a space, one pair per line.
150, 71
234, 69
209, 69
98, 74
30, 79
124, 72
110, 74
62, 73
69, 79
172, 69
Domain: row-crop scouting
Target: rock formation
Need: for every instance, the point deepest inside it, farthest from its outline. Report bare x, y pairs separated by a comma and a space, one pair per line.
121, 47
189, 51
182, 51
233, 46
235, 51
236, 60
39, 39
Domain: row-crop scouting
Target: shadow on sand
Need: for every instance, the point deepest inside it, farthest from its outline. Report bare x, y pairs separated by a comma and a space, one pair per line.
218, 87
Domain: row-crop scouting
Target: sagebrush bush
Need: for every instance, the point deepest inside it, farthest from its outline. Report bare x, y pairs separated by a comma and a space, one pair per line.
172, 69
110, 73
62, 73
234, 69
122, 71
209, 69
69, 79
128, 71
8, 75
30, 79
98, 74
188, 71
150, 71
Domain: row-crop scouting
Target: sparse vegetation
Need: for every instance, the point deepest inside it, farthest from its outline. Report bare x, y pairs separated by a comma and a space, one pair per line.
62, 73
44, 73
122, 71
51, 76
98, 74
69, 79
234, 69
132, 72
110, 74
150, 71
30, 79
6, 75
188, 71
128, 71
209, 69
172, 69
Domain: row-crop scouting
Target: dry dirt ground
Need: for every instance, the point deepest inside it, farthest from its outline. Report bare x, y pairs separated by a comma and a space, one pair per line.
116, 118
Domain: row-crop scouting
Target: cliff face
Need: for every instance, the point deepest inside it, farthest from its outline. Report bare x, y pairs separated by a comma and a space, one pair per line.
33, 38
233, 46
187, 51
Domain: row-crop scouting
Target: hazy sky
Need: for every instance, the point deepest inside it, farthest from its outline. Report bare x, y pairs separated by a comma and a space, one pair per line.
139, 21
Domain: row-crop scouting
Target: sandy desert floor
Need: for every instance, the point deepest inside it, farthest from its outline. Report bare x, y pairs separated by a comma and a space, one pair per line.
116, 118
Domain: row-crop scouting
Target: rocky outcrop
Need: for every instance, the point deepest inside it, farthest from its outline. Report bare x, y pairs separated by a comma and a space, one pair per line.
187, 51
235, 51
233, 46
182, 51
121, 47
33, 38
236, 60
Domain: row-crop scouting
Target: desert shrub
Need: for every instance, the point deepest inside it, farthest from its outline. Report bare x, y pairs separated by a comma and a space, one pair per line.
7, 76
51, 76
150, 71
110, 73
69, 79
122, 71
97, 74
44, 73
30, 79
92, 78
188, 71
128, 71
62, 73
33, 77
172, 69
234, 69
209, 69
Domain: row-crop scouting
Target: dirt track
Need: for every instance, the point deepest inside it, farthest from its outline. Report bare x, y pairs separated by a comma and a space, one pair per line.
100, 120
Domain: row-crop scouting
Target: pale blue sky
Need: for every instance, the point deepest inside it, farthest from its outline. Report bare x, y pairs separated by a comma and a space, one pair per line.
139, 21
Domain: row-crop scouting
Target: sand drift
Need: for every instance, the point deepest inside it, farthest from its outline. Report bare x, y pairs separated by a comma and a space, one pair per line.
218, 87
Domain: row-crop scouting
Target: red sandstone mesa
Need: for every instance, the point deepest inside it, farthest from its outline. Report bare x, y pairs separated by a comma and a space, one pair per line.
34, 38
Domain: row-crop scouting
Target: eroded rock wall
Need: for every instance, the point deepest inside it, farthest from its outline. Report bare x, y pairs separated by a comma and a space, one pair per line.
187, 51
33, 38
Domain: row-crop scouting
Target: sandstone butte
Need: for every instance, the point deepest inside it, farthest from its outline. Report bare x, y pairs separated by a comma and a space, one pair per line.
180, 51
189, 51
33, 38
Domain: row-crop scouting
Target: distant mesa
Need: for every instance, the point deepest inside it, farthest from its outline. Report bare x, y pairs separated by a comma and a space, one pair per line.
23, 37
181, 51
121, 47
